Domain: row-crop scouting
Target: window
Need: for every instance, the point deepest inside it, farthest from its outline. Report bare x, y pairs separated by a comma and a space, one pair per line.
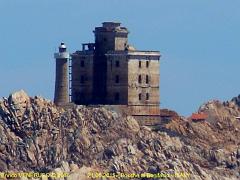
82, 64
117, 96
147, 64
139, 79
117, 64
147, 96
140, 97
77, 97
117, 79
82, 79
81, 97
147, 79
139, 64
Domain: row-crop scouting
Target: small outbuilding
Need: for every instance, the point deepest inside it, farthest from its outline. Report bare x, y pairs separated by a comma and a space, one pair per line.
198, 117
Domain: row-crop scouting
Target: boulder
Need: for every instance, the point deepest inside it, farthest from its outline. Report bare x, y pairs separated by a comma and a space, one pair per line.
19, 98
132, 124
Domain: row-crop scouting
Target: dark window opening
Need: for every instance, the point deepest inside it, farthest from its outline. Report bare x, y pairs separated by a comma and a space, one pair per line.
82, 63
117, 96
147, 79
139, 64
79, 98
139, 79
140, 97
147, 96
105, 39
117, 64
147, 64
82, 80
117, 79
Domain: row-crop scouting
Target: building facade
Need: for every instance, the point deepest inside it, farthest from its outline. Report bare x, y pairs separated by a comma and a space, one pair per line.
110, 71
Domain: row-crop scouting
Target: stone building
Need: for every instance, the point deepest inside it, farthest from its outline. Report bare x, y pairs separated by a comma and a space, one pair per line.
110, 71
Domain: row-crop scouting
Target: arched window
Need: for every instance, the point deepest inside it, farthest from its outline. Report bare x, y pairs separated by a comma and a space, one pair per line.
147, 79
139, 64
147, 96
117, 64
139, 79
117, 96
82, 63
117, 79
82, 79
147, 64
139, 96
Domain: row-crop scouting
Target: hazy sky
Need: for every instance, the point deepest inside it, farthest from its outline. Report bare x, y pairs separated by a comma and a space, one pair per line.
198, 39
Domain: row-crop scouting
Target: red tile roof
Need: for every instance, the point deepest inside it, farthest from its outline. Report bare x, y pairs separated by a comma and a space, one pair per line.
199, 116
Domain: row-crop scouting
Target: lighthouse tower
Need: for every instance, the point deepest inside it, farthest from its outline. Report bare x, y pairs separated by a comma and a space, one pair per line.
61, 81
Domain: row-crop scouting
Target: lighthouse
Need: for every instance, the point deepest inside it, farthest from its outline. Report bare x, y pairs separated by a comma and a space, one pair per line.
61, 82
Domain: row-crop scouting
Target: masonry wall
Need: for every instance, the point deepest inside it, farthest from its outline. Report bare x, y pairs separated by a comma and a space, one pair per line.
107, 38
143, 96
120, 42
110, 40
82, 78
117, 79
61, 82
105, 41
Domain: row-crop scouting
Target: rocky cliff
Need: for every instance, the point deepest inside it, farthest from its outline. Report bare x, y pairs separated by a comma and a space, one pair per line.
35, 135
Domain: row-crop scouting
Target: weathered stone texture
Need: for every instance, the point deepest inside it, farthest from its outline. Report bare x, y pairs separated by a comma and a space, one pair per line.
112, 71
61, 82
82, 78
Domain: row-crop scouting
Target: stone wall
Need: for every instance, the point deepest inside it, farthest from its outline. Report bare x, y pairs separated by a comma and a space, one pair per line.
117, 79
137, 88
82, 78
112, 72
61, 82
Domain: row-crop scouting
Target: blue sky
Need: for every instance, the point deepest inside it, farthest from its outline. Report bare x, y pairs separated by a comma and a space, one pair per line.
198, 40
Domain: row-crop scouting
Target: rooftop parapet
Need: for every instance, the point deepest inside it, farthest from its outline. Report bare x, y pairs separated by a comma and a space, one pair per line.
111, 27
135, 52
111, 24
